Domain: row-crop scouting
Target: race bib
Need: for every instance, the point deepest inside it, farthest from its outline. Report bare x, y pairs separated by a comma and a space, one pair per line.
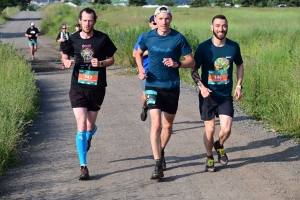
219, 77
88, 77
151, 96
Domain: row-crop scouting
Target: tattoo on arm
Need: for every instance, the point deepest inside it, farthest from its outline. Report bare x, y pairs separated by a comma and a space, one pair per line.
195, 76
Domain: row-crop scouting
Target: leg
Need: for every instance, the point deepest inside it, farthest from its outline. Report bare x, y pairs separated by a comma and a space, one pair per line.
91, 127
155, 133
225, 123
144, 102
62, 65
32, 52
208, 136
167, 128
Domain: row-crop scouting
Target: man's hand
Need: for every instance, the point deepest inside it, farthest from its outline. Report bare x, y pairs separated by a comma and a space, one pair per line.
142, 74
238, 93
95, 62
68, 63
205, 92
170, 63
62, 40
29, 35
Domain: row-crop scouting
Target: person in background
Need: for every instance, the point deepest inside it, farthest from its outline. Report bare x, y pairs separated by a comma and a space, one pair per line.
77, 28
63, 38
32, 33
216, 57
152, 26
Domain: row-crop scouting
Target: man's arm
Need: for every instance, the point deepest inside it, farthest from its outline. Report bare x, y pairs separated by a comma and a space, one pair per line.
139, 62
240, 77
189, 61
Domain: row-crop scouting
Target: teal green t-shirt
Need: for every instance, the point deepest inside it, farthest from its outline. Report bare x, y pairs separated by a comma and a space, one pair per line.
159, 47
217, 65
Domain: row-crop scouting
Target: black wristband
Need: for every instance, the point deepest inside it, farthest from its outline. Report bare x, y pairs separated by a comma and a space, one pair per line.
179, 64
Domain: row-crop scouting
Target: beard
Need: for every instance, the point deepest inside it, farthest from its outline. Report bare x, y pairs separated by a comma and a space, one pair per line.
89, 30
220, 38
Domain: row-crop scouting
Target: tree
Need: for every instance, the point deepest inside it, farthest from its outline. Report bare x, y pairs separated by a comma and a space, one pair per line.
102, 2
137, 2
21, 3
169, 3
199, 3
76, 2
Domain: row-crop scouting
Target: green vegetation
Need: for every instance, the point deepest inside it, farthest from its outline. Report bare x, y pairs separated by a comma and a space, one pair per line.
7, 12
18, 103
268, 38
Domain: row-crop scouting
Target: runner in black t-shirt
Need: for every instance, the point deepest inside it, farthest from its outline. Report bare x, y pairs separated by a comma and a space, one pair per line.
63, 39
32, 33
93, 51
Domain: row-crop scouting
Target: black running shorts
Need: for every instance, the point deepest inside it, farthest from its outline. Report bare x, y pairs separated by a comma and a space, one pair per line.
164, 99
90, 99
212, 107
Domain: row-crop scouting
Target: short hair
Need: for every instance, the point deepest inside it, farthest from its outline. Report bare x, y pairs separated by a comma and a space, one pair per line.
219, 17
89, 11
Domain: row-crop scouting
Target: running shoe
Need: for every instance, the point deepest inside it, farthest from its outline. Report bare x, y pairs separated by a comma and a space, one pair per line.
222, 157
210, 165
144, 114
84, 173
163, 161
158, 172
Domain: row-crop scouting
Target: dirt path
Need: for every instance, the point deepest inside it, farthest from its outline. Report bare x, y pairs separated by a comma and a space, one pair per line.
261, 164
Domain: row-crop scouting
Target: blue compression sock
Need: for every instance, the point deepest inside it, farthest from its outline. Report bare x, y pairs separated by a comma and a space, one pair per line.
89, 135
81, 143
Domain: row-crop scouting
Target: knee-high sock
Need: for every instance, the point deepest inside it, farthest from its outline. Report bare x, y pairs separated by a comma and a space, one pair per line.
89, 135
81, 143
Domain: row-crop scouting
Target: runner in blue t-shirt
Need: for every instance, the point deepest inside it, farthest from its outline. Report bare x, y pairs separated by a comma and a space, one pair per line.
165, 47
216, 56
152, 25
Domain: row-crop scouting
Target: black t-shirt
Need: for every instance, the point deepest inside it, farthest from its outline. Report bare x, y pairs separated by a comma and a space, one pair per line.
98, 46
65, 36
32, 32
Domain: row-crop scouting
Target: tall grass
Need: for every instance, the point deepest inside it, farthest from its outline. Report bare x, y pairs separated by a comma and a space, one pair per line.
18, 103
268, 37
7, 12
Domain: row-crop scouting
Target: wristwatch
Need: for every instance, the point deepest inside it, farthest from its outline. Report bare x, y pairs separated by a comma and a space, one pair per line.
239, 86
179, 64
101, 64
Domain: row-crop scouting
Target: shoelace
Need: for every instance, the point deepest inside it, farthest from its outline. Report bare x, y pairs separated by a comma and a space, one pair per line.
222, 152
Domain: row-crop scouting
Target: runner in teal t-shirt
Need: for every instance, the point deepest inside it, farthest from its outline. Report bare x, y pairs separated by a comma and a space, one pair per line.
216, 56
165, 47
152, 25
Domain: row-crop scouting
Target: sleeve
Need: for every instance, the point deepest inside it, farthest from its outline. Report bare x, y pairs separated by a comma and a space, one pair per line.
27, 31
58, 36
37, 31
142, 43
185, 47
238, 58
136, 46
194, 71
110, 48
68, 48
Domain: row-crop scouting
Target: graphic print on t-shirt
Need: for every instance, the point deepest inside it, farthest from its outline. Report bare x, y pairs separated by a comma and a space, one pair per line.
87, 77
87, 53
219, 76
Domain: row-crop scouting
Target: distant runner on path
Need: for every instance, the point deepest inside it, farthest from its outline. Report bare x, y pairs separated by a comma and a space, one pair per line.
93, 51
32, 33
216, 56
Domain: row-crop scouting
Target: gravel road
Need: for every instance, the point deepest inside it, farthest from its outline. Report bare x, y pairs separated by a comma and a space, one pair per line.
262, 165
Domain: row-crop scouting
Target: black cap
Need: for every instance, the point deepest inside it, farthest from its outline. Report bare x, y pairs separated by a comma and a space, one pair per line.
77, 25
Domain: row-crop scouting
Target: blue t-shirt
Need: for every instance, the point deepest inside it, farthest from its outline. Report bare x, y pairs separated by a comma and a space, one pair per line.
217, 65
145, 58
159, 47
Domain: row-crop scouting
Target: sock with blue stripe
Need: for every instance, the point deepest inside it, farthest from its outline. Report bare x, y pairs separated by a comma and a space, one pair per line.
81, 143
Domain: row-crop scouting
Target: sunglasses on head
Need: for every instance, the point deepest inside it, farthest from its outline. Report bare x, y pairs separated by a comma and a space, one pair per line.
154, 23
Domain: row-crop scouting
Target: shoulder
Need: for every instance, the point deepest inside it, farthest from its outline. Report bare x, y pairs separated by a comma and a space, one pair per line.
231, 42
205, 43
99, 34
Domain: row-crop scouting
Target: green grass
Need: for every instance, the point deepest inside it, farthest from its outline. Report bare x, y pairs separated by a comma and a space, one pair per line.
268, 37
7, 12
18, 103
